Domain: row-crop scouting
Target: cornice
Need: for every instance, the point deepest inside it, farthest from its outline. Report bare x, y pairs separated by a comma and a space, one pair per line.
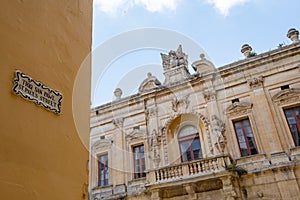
242, 65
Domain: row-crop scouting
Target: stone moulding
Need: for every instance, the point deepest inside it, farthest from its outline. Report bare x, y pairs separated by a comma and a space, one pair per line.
238, 108
291, 95
180, 100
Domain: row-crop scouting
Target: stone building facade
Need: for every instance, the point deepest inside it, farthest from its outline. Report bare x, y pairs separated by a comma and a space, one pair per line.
220, 133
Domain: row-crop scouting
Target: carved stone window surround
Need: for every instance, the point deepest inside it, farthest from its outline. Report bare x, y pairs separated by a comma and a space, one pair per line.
285, 99
287, 96
238, 109
232, 135
136, 135
131, 157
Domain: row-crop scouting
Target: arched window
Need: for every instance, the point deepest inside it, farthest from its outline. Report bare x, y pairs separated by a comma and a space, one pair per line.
189, 143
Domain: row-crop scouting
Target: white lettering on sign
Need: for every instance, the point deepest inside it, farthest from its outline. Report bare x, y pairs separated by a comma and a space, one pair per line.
35, 91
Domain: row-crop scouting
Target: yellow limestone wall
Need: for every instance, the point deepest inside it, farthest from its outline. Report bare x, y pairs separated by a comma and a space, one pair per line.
41, 153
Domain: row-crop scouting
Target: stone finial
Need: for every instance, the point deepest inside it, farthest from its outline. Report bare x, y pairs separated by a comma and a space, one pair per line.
293, 35
118, 93
246, 50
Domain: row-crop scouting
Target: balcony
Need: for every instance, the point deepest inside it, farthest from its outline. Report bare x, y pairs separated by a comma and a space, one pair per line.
180, 173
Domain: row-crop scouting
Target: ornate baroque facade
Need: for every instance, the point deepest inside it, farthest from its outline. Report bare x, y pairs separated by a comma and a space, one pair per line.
226, 133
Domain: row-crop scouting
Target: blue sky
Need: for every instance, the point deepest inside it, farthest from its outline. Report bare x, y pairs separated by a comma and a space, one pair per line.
219, 27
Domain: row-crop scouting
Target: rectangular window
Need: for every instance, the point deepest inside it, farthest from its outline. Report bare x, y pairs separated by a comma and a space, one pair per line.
139, 161
103, 170
293, 118
245, 137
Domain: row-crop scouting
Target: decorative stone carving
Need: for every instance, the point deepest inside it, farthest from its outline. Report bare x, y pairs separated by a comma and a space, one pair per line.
291, 95
203, 65
228, 188
174, 59
255, 82
118, 122
218, 130
150, 83
151, 112
118, 93
180, 101
136, 134
165, 128
293, 35
191, 190
102, 144
175, 66
246, 50
238, 108
154, 144
209, 95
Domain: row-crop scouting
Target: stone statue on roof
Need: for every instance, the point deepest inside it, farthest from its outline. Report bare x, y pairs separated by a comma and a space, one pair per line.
174, 59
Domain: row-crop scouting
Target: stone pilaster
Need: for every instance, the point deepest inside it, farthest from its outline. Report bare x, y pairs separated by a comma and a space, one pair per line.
217, 138
118, 152
261, 107
154, 136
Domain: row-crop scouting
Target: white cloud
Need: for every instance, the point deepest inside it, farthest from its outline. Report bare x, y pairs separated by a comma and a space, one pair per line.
158, 5
225, 5
112, 7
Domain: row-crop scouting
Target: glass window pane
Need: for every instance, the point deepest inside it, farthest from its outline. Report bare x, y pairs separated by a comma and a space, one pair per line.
245, 137
139, 161
103, 172
189, 144
293, 118
187, 130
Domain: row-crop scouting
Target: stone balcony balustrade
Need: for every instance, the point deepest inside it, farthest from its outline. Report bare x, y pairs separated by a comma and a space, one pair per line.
187, 170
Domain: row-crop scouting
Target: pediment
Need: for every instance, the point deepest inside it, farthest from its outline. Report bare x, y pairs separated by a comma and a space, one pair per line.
102, 144
287, 95
150, 83
203, 65
136, 134
239, 108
